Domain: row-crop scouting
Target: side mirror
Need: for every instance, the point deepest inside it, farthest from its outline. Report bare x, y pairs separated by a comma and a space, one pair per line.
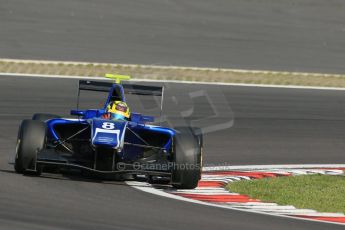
77, 112
145, 119
141, 119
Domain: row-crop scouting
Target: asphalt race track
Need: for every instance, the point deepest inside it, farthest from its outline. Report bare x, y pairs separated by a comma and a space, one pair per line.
270, 126
294, 35
266, 125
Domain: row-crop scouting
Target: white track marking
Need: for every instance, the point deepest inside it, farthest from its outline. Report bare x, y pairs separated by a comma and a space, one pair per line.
169, 67
199, 188
253, 205
270, 167
176, 81
222, 177
202, 190
52, 76
324, 214
207, 192
272, 209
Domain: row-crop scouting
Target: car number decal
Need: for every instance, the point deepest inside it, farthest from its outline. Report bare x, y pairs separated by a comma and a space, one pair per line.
108, 125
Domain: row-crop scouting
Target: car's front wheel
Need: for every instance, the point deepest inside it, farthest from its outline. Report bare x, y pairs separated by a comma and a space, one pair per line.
187, 161
31, 139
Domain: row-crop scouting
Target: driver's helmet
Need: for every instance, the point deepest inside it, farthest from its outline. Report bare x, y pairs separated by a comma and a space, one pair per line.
118, 110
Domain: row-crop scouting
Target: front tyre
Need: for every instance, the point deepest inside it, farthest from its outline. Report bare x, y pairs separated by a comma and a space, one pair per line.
187, 159
31, 139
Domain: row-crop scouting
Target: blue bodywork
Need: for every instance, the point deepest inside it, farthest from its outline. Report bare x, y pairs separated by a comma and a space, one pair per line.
116, 134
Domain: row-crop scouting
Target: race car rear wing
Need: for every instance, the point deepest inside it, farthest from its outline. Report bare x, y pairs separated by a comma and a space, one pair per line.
134, 89
95, 86
128, 88
143, 90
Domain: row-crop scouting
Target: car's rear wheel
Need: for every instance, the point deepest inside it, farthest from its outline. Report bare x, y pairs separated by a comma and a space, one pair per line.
31, 139
187, 155
44, 116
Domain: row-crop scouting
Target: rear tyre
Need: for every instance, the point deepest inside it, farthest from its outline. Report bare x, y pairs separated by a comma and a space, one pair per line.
31, 139
44, 116
187, 159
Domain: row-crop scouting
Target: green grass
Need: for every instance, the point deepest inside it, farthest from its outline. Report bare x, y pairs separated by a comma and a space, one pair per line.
319, 192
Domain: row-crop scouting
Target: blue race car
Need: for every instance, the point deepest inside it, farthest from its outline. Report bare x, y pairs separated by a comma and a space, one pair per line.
111, 141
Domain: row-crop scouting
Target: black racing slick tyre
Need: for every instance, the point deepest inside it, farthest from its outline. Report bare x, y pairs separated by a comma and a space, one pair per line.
31, 139
187, 159
44, 116
198, 133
